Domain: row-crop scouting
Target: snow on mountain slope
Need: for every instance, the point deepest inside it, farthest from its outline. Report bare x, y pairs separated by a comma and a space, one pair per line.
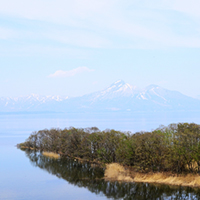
167, 99
119, 96
116, 90
123, 96
28, 103
156, 93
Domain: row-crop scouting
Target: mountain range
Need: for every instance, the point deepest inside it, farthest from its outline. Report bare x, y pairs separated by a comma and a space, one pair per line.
119, 96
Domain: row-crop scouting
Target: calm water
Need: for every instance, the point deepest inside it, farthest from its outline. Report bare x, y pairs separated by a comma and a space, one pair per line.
29, 175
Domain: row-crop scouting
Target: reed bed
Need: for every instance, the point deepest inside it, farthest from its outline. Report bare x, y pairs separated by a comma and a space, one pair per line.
116, 172
51, 155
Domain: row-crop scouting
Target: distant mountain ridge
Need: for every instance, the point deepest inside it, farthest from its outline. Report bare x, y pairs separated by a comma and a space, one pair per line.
119, 96
28, 103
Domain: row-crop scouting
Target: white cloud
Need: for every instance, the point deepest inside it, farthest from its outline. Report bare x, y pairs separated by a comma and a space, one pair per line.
73, 72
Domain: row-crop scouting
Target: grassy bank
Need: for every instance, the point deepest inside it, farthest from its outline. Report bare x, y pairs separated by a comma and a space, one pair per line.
116, 172
51, 155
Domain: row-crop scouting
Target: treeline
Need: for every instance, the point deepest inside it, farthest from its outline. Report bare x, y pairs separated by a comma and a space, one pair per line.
175, 148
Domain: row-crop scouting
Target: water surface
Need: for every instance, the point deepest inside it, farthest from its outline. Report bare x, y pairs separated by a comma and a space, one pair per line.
29, 175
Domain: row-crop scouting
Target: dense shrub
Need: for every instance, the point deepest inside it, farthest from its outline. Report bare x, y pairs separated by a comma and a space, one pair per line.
175, 148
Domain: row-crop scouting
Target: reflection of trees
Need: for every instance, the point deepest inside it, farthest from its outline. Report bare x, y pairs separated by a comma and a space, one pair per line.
83, 175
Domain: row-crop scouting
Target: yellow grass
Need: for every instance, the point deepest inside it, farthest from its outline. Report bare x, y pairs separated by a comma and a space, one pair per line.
51, 154
117, 172
194, 165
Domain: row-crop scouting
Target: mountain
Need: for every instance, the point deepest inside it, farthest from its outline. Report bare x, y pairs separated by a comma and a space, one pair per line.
116, 90
119, 96
31, 102
164, 99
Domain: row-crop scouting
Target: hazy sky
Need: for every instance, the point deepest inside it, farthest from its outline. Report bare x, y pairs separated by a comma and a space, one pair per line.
65, 47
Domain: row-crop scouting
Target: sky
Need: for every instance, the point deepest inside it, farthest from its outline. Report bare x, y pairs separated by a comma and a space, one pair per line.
72, 48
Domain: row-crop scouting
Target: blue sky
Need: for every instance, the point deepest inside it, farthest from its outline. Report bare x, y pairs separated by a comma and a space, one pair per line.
76, 47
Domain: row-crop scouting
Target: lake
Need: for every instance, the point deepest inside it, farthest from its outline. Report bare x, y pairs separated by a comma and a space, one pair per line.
29, 175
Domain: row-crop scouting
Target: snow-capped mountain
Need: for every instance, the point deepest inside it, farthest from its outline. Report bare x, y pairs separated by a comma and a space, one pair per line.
119, 96
116, 90
167, 98
28, 103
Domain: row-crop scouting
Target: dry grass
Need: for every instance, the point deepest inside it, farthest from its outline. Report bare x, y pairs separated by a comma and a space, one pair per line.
194, 165
117, 172
51, 154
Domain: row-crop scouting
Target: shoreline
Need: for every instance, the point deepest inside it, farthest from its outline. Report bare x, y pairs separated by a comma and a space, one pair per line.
95, 162
116, 172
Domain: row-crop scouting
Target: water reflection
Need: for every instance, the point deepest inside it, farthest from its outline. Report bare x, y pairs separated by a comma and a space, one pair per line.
90, 177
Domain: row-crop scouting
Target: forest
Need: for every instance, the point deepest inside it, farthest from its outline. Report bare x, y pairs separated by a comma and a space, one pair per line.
174, 148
